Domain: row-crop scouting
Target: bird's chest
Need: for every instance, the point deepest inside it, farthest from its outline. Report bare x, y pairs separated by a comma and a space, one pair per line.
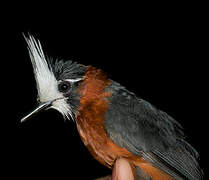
98, 143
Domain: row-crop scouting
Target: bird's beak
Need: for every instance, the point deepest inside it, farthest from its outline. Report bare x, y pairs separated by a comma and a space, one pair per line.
41, 107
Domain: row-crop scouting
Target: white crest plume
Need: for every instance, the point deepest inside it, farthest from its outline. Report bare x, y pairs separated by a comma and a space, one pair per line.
47, 85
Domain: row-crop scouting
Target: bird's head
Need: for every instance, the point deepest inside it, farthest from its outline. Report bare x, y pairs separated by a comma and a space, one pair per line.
57, 82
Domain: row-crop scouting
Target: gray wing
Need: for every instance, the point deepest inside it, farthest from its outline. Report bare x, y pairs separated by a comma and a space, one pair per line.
144, 130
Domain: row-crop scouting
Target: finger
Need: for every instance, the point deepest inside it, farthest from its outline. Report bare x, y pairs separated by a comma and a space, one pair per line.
123, 170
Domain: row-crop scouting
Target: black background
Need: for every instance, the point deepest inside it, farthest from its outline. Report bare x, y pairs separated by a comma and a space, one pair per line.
158, 52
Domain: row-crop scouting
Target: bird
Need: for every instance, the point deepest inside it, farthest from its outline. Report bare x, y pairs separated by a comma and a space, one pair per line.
112, 121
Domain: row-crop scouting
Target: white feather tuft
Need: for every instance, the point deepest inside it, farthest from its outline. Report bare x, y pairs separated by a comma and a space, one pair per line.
47, 85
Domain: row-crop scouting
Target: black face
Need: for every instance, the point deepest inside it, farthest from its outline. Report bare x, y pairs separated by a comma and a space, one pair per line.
66, 73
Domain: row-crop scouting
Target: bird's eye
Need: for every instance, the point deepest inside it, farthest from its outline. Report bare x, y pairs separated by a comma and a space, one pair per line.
64, 86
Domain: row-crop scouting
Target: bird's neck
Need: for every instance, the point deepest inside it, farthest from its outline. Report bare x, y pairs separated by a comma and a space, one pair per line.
93, 97
92, 89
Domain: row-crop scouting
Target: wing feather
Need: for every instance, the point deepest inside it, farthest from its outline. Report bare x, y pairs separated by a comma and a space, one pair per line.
145, 131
